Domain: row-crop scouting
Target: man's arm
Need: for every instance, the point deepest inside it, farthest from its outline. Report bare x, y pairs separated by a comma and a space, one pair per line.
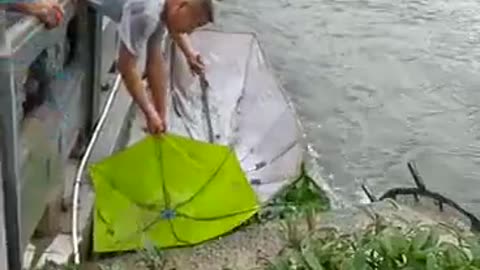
156, 74
25, 8
183, 41
127, 65
193, 58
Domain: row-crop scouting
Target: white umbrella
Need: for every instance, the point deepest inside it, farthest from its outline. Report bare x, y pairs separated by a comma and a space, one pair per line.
247, 107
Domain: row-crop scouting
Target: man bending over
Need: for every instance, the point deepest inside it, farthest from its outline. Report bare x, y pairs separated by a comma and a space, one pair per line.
141, 27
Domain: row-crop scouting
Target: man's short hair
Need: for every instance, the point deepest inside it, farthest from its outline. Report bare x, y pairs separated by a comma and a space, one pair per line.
207, 6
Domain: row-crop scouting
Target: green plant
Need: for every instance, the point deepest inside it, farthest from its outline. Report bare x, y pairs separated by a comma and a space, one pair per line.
152, 258
49, 265
113, 266
381, 247
302, 198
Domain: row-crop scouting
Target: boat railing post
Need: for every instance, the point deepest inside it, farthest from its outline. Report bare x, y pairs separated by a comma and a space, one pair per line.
95, 63
3, 240
9, 151
3, 233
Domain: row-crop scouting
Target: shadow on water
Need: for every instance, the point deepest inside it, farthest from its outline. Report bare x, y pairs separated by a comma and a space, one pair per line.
378, 83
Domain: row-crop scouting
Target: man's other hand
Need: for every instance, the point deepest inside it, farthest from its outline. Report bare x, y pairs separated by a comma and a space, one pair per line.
155, 125
196, 63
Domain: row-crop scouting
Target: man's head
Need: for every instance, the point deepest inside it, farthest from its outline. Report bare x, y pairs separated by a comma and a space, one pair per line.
184, 16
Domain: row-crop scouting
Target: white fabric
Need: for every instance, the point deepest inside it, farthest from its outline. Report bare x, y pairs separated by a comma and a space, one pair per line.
247, 107
140, 20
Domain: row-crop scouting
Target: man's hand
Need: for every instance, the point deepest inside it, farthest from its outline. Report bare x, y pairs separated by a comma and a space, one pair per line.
131, 77
196, 64
193, 58
155, 125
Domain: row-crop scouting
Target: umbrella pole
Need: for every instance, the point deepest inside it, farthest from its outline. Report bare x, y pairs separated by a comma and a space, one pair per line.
204, 85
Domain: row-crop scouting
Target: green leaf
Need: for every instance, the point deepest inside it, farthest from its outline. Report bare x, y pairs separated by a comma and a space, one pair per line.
386, 245
432, 263
454, 255
360, 261
311, 260
281, 263
433, 239
393, 242
420, 254
474, 247
420, 239
387, 263
400, 243
415, 265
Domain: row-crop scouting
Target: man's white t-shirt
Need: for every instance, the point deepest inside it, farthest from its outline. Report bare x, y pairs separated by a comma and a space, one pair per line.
138, 21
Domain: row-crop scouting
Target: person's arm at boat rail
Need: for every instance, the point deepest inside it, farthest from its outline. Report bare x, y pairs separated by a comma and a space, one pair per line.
49, 12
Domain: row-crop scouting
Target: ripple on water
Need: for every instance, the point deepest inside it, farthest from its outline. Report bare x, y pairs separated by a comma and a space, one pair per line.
378, 83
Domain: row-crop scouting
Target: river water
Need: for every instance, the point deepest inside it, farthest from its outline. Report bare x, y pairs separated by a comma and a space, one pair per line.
378, 83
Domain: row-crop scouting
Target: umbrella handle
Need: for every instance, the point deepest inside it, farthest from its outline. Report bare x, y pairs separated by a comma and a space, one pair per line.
205, 85
204, 82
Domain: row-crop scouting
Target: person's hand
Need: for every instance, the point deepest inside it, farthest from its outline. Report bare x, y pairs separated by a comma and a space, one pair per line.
196, 64
155, 125
48, 12
54, 16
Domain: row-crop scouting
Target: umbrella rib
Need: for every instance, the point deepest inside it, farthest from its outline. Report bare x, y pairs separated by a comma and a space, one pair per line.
148, 206
276, 157
162, 179
284, 151
146, 228
217, 217
105, 221
270, 128
172, 228
208, 181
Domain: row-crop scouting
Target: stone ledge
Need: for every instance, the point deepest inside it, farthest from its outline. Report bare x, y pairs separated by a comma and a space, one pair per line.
59, 249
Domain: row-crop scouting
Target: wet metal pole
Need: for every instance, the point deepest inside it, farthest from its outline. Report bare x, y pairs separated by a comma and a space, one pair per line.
206, 106
9, 138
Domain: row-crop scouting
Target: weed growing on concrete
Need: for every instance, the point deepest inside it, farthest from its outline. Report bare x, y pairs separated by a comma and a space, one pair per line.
302, 198
152, 258
49, 265
380, 247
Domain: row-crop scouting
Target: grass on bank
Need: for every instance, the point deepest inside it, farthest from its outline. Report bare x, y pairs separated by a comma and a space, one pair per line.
301, 198
380, 247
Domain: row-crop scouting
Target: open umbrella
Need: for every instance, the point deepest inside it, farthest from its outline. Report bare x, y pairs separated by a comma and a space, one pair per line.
247, 108
168, 191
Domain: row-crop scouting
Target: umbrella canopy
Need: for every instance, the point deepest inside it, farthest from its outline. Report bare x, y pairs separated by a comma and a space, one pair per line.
168, 191
246, 105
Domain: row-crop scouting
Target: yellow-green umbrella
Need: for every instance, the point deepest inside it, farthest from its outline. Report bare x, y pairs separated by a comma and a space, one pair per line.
168, 191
